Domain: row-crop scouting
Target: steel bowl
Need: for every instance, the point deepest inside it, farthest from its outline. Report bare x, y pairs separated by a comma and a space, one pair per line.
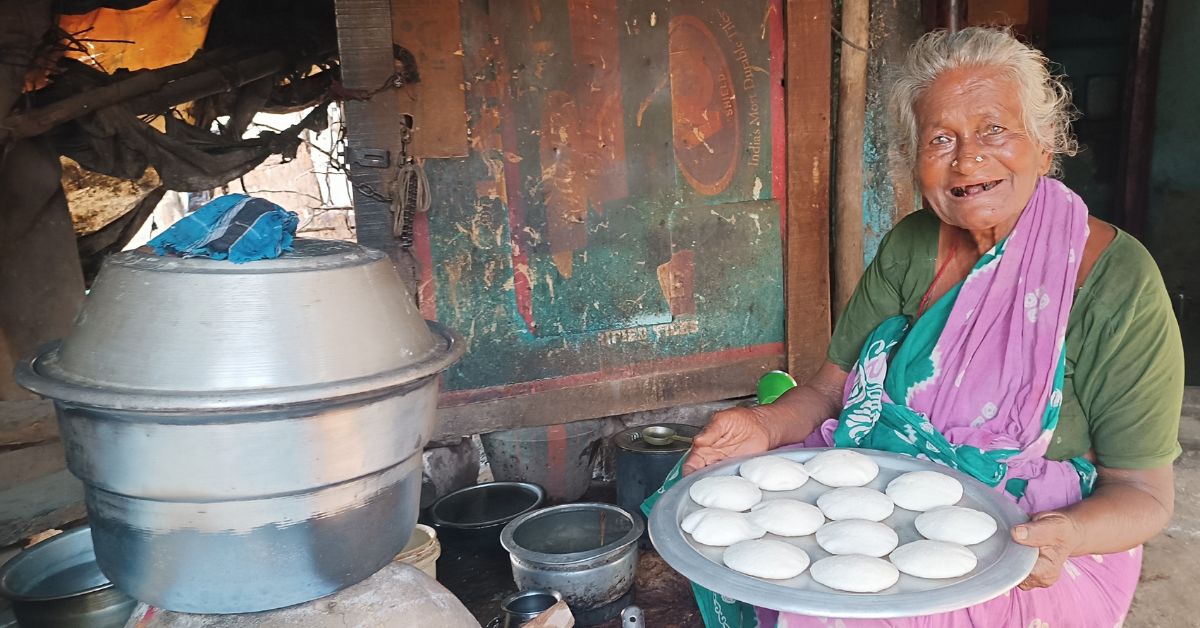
249, 435
523, 607
472, 517
57, 584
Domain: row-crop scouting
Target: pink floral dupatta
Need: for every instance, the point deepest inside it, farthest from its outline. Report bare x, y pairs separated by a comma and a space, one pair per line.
976, 382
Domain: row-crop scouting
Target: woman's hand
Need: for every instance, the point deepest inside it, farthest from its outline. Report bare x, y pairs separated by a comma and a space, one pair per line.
1057, 537
744, 431
730, 433
1127, 508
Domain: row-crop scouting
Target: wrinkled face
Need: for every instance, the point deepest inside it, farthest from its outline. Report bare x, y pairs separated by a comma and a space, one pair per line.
976, 164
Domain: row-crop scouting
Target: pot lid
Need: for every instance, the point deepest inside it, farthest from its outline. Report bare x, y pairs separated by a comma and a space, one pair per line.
329, 319
631, 439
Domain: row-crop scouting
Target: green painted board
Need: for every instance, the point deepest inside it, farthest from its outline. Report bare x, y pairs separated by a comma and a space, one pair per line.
620, 205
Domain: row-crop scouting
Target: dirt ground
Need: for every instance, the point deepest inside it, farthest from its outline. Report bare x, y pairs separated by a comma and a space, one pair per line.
1166, 597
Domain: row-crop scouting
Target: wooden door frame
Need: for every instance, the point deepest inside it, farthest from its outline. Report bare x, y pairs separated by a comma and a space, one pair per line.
808, 71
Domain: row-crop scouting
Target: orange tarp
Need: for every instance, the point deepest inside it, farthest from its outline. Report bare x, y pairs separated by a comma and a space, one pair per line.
157, 34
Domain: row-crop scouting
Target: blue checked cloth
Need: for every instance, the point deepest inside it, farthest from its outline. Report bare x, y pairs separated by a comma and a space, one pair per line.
236, 227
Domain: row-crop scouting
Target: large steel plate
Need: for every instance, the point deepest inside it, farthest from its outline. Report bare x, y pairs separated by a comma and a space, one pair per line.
1003, 564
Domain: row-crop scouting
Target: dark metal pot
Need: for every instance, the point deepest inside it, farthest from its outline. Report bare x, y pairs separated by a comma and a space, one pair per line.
472, 518
57, 584
641, 468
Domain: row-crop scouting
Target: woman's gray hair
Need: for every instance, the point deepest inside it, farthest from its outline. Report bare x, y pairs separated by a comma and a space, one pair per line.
1045, 101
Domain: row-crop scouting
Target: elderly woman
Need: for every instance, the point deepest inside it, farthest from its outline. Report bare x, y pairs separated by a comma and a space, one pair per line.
1004, 332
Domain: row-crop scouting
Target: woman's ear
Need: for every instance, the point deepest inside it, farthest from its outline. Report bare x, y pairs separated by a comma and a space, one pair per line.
1047, 159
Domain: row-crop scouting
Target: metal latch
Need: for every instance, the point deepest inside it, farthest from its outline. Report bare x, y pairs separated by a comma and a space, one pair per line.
369, 157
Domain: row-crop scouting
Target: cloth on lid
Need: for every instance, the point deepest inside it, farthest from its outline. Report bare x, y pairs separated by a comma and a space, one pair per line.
236, 227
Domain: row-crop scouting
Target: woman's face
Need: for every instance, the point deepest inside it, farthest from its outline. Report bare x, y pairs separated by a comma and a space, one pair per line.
976, 164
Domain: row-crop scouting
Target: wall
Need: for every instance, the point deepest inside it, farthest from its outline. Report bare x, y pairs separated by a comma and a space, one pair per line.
618, 212
1174, 211
886, 197
1088, 40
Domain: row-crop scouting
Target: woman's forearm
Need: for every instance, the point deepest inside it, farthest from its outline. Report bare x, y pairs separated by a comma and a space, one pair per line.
801, 410
1128, 508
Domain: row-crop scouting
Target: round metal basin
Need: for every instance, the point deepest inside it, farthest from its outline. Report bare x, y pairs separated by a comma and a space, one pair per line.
473, 516
57, 584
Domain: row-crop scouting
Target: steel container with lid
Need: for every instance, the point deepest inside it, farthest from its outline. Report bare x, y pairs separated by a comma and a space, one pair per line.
642, 467
249, 435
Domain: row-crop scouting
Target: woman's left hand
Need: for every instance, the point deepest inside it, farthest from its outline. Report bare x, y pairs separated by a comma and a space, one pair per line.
1056, 536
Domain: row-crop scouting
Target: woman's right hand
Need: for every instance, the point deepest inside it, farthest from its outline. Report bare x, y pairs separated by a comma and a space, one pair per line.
731, 433
790, 419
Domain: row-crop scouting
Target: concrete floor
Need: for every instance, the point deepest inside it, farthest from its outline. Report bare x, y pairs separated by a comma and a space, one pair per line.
1166, 597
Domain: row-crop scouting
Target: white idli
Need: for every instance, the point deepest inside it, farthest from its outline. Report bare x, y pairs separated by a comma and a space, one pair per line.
774, 473
841, 467
766, 558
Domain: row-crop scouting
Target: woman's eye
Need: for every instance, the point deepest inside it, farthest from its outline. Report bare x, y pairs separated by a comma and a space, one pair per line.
940, 139
995, 129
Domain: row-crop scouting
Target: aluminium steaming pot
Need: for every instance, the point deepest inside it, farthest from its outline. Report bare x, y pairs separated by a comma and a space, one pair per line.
249, 435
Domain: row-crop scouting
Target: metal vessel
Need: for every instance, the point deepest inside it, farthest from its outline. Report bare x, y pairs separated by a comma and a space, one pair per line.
641, 467
472, 517
249, 435
56, 584
587, 552
523, 607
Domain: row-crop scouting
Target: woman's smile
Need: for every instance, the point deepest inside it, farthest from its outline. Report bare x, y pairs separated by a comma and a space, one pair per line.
973, 190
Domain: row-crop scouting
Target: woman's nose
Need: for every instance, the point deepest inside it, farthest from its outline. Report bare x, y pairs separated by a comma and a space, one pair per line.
970, 156
968, 162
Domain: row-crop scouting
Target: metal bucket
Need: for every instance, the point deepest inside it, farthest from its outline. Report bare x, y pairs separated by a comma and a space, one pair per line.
249, 435
588, 552
57, 584
641, 468
558, 458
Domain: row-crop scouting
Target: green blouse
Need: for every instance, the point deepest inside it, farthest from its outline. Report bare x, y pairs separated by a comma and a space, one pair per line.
1124, 380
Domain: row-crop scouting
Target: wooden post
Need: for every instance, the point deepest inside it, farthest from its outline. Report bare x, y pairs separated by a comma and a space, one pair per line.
1137, 119
372, 125
807, 81
852, 104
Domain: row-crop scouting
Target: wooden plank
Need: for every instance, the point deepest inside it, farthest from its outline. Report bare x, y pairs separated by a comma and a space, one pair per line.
851, 119
367, 66
44, 503
27, 421
26, 464
606, 398
432, 31
806, 265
